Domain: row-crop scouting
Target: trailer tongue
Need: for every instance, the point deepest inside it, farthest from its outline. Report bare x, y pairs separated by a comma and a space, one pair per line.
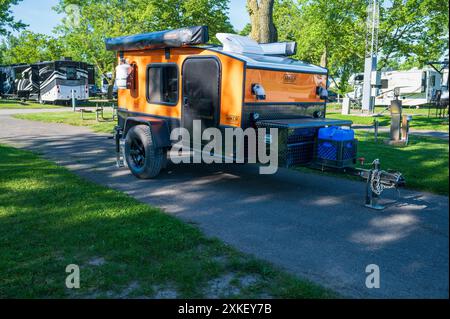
321, 143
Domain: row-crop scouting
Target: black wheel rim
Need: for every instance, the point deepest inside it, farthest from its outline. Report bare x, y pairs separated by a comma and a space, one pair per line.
137, 153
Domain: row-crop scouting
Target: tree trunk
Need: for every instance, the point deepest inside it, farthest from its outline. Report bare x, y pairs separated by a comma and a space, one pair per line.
324, 58
261, 18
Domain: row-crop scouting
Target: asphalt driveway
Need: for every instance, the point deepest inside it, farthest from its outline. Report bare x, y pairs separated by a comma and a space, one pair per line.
312, 225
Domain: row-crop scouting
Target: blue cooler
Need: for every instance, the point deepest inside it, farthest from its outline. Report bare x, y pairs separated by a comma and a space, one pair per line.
336, 147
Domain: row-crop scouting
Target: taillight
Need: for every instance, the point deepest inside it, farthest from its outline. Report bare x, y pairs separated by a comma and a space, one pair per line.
57, 87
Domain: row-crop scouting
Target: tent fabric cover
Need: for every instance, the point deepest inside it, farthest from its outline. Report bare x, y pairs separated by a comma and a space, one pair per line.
161, 39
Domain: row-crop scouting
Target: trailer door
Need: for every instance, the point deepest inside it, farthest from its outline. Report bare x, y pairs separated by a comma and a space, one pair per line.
201, 92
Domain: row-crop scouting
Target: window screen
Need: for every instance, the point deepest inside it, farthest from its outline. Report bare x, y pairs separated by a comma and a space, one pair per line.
162, 81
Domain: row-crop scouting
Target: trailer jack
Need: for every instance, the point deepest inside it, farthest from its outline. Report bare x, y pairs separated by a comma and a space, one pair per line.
377, 181
119, 147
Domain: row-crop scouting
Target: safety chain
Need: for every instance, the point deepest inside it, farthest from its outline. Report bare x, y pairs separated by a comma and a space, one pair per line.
375, 183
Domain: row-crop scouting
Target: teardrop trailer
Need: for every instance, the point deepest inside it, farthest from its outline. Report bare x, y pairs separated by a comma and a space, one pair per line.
171, 79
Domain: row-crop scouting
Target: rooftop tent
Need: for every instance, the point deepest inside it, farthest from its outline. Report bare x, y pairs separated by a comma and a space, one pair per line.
161, 39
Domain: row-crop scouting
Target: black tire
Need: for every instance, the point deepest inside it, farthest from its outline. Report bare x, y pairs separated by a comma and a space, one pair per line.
143, 158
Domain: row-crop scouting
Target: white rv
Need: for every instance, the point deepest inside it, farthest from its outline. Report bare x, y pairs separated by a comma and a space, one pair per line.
416, 87
106, 78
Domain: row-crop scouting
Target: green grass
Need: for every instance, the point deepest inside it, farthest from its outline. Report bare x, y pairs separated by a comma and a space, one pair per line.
50, 218
72, 118
420, 120
424, 162
16, 104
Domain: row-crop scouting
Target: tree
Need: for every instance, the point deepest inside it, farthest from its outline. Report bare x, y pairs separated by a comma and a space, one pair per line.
413, 32
7, 21
100, 19
173, 14
246, 30
332, 33
261, 18
30, 47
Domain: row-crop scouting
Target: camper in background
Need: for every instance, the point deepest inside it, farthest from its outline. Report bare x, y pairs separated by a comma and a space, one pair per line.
6, 80
50, 81
57, 80
416, 87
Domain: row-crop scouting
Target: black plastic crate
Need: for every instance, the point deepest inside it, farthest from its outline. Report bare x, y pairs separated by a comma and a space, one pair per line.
337, 154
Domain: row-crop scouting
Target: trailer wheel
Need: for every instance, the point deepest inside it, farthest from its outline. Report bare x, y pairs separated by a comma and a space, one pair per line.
143, 158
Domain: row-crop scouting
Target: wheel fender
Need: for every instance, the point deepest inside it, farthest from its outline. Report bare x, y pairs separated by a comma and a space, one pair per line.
158, 127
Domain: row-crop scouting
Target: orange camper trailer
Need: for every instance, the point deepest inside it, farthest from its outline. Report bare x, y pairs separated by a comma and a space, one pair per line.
168, 79
171, 79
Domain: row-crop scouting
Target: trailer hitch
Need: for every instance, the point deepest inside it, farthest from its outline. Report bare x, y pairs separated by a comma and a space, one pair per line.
377, 180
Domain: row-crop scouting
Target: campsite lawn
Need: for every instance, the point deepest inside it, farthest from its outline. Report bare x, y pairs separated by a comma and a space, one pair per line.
72, 118
16, 104
420, 119
424, 162
50, 218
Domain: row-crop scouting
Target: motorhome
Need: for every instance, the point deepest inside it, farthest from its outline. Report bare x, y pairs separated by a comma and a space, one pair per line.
51, 81
6, 80
58, 79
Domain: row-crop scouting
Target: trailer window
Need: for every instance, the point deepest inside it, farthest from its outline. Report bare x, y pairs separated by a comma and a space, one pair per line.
71, 73
384, 84
162, 83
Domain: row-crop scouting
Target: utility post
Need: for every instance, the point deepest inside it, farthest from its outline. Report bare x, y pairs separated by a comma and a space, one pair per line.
74, 101
371, 75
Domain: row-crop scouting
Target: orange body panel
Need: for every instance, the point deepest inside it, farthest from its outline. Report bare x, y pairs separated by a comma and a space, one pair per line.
280, 86
283, 87
231, 83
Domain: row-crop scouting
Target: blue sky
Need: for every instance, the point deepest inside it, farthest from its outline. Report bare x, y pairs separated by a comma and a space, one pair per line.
40, 17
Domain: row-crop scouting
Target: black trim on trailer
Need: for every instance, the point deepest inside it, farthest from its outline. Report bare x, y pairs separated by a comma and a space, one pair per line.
159, 65
226, 126
243, 93
281, 111
172, 121
123, 110
284, 70
285, 103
